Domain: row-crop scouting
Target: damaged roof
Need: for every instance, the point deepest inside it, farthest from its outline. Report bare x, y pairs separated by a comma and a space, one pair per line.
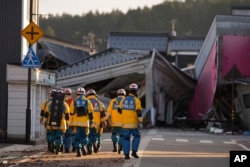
185, 43
116, 68
104, 59
54, 56
138, 40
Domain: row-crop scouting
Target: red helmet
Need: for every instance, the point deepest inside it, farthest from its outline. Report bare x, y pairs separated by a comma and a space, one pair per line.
133, 86
80, 91
91, 91
121, 92
67, 91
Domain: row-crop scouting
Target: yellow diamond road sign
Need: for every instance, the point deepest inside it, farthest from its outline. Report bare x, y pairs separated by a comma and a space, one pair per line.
32, 33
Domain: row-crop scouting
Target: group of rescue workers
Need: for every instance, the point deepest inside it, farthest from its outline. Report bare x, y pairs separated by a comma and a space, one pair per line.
76, 124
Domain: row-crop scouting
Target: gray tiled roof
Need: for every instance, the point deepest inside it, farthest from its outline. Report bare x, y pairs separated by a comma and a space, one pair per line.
138, 40
185, 43
63, 53
106, 58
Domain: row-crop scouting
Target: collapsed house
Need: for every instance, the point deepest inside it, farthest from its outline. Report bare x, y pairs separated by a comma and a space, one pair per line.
116, 68
217, 92
161, 83
221, 70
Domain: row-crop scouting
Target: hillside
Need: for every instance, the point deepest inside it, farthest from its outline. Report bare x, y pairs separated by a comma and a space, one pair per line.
192, 17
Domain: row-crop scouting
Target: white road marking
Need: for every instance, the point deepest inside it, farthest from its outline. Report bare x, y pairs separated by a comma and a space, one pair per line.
206, 141
158, 139
242, 146
181, 140
106, 140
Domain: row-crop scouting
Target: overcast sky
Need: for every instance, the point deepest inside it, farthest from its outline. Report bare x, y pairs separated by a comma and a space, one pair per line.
79, 7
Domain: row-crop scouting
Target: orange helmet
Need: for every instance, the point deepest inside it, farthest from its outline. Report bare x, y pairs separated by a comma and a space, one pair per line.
80, 91
121, 92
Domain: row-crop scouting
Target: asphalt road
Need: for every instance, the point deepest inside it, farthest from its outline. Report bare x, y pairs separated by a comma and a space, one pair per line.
159, 147
190, 148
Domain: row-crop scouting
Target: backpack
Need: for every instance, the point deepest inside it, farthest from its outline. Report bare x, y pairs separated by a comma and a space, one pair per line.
56, 109
81, 106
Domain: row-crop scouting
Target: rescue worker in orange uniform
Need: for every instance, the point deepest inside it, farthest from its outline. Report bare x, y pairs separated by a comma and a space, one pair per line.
116, 120
42, 117
68, 136
97, 129
82, 120
131, 110
57, 117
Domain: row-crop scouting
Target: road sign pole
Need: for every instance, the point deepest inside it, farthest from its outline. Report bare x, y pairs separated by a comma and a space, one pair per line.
28, 111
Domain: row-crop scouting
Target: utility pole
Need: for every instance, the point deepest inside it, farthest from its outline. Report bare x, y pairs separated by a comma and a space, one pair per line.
28, 111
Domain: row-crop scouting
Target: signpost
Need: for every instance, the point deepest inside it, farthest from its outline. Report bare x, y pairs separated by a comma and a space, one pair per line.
32, 33
31, 60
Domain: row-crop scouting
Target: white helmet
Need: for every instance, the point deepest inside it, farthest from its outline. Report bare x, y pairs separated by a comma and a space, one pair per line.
51, 92
133, 86
121, 92
60, 90
80, 91
68, 91
91, 91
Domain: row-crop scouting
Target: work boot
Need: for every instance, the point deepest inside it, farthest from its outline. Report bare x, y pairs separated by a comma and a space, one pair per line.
61, 148
49, 147
127, 156
119, 148
66, 150
84, 152
52, 147
78, 152
115, 147
89, 148
58, 150
134, 154
95, 147
99, 147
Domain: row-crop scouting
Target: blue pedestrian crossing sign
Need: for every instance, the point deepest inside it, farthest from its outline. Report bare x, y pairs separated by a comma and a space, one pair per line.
31, 60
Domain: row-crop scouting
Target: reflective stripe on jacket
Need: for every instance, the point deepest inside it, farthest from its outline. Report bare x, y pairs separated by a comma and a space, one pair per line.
130, 105
82, 121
